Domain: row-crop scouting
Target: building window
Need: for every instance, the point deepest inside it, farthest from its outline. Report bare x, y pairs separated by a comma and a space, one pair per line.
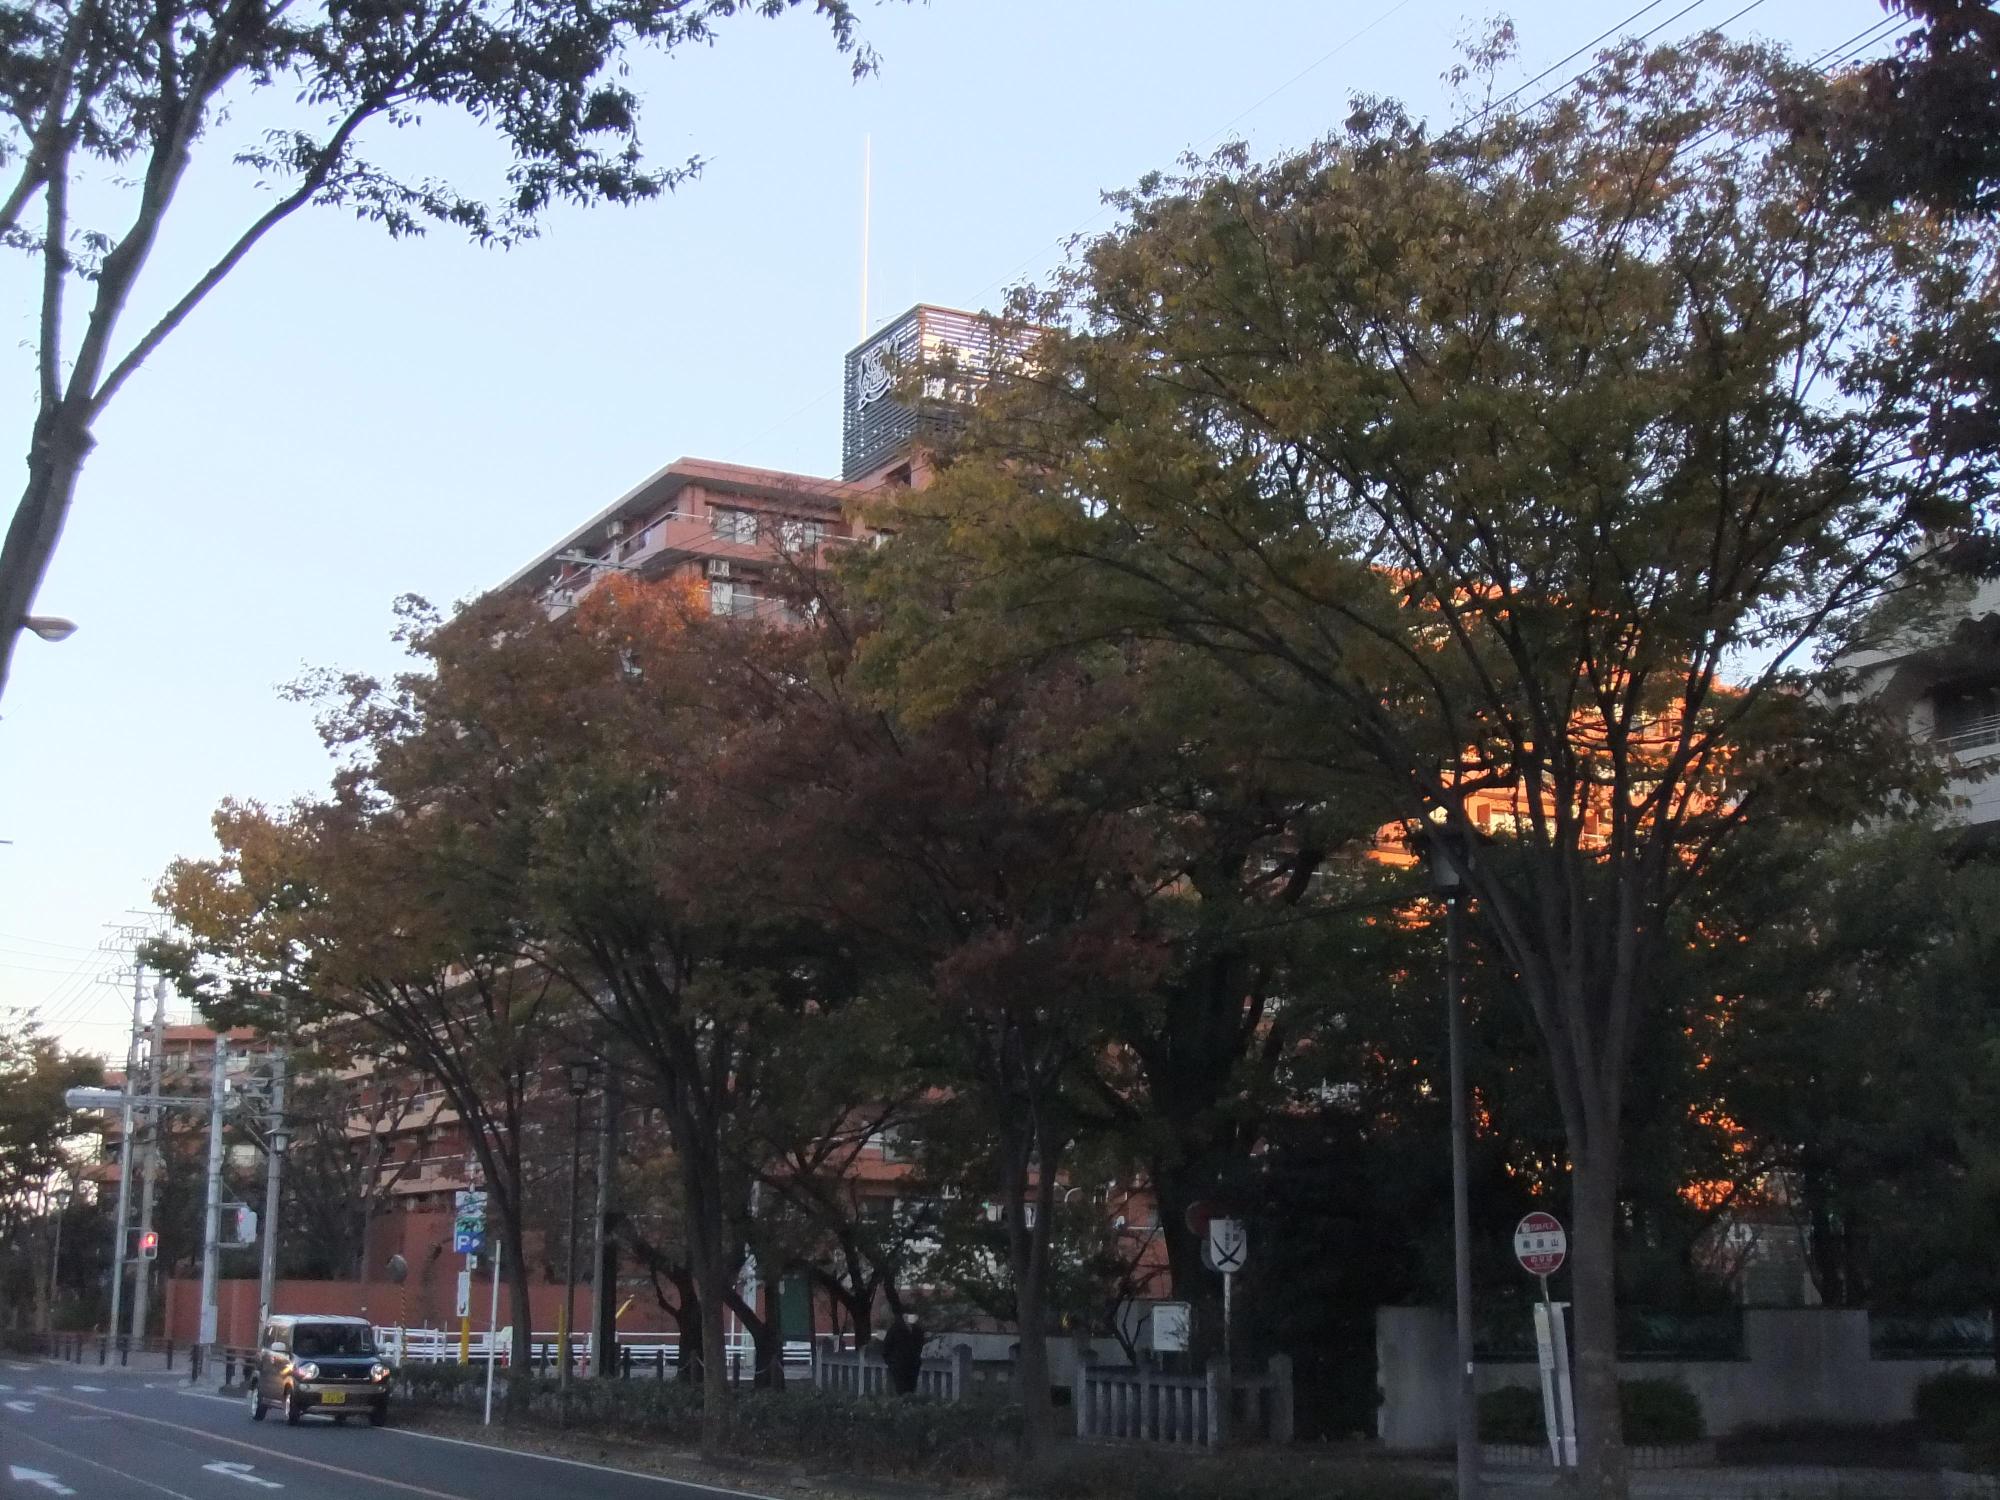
736, 525
799, 535
727, 597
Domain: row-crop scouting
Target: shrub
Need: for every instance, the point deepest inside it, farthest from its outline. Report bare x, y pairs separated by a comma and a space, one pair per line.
1951, 1405
1512, 1414
1660, 1411
885, 1434
1654, 1411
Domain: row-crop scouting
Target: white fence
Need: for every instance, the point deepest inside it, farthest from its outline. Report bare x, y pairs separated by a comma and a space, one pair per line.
638, 1354
861, 1372
1196, 1411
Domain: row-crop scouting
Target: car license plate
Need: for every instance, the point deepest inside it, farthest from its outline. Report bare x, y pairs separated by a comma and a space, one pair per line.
333, 1398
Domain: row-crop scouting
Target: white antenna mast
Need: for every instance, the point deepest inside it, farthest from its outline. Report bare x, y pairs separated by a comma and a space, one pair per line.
867, 173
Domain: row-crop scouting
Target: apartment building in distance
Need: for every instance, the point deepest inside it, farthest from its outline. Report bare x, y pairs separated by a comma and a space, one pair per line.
1944, 680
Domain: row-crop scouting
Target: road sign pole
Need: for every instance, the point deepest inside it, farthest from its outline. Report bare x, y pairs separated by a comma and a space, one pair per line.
1228, 1320
465, 1311
493, 1331
1566, 1403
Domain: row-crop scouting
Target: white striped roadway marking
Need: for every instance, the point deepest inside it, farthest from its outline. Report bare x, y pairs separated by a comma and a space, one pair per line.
107, 1468
547, 1458
95, 1390
48, 1482
25, 1408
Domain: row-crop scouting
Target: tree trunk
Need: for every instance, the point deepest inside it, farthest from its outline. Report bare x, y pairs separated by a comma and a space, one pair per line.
522, 1316
1601, 1462
55, 462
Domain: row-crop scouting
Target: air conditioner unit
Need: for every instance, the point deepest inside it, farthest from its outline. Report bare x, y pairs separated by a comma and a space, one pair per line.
718, 567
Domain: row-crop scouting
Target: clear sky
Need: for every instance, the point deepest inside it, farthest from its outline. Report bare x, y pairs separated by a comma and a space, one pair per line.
350, 419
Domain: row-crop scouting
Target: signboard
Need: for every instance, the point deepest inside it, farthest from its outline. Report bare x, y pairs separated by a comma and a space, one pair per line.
240, 1224
1540, 1244
465, 1292
1172, 1323
468, 1227
1228, 1245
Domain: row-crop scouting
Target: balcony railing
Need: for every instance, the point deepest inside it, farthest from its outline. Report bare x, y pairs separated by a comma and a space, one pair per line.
1972, 735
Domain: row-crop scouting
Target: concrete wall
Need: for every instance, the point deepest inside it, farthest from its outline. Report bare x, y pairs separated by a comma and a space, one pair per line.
1799, 1365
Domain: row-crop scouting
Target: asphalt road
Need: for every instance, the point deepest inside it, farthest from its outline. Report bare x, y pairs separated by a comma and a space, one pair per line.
105, 1435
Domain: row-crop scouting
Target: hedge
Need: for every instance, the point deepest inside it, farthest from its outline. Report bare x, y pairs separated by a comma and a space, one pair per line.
1136, 1474
1952, 1405
883, 1435
1655, 1411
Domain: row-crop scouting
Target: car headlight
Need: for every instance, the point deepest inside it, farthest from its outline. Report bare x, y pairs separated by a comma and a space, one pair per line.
379, 1371
307, 1371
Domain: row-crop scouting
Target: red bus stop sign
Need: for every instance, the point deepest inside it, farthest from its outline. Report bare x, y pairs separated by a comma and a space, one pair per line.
1540, 1244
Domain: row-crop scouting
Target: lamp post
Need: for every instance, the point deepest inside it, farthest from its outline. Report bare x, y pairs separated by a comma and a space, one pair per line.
579, 1070
1448, 851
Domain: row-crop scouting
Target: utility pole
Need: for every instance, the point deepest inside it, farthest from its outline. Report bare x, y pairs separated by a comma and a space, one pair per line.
274, 1167
142, 1275
218, 1086
125, 1152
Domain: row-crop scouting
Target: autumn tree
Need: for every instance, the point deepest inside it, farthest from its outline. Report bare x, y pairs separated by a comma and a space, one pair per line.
106, 106
1539, 458
355, 924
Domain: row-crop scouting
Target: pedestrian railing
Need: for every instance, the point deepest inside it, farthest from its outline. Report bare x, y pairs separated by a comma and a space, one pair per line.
1208, 1410
108, 1348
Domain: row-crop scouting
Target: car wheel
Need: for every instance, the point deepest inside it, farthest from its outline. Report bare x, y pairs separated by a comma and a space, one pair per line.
257, 1407
340, 1419
293, 1410
378, 1414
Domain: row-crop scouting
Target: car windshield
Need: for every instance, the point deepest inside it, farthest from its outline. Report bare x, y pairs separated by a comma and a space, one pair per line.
324, 1340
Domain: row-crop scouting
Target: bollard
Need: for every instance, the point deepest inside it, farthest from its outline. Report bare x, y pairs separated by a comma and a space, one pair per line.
624, 1361
660, 1361
124, 1350
170, 1354
104, 1349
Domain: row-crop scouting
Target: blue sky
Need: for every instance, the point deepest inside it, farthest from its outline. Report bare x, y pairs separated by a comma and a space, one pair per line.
349, 419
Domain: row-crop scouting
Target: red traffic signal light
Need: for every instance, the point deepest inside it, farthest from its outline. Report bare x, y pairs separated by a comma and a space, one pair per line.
149, 1244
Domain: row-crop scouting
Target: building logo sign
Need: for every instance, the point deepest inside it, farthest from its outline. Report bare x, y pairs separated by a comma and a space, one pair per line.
875, 378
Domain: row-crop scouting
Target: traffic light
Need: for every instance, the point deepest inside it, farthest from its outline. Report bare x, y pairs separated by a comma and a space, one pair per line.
149, 1244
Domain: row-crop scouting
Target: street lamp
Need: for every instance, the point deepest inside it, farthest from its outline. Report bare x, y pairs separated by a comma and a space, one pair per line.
580, 1070
1448, 852
49, 627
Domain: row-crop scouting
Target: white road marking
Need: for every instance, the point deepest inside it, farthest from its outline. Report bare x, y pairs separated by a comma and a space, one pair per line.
95, 1390
7, 1389
24, 1407
45, 1390
12, 1366
48, 1482
242, 1472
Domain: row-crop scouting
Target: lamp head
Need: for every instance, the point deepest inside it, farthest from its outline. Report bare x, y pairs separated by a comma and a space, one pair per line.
50, 627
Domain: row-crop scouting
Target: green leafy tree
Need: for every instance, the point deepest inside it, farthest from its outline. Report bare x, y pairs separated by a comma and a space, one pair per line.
40, 1165
1538, 459
105, 106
